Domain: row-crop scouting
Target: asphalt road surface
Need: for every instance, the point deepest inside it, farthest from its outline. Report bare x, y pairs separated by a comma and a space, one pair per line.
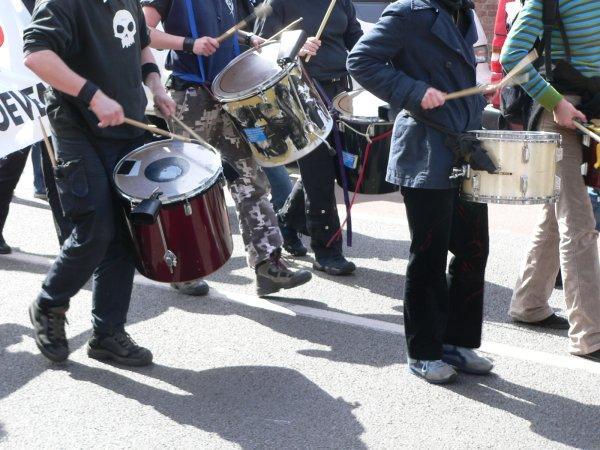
320, 366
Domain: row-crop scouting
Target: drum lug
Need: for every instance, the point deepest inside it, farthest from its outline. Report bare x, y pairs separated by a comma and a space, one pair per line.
169, 256
526, 155
187, 208
524, 184
475, 184
559, 153
557, 186
586, 140
170, 260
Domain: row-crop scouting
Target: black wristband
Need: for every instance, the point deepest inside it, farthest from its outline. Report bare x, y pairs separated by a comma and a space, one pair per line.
87, 92
188, 45
148, 68
248, 39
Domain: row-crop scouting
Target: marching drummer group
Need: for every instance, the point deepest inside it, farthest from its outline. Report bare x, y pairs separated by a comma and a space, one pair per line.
418, 51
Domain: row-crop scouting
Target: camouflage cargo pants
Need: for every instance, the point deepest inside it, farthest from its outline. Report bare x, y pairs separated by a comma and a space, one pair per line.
249, 188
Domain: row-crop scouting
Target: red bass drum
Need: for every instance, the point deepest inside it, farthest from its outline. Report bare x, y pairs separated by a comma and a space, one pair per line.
190, 237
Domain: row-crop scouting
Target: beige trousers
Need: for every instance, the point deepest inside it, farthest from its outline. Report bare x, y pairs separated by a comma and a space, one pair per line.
565, 238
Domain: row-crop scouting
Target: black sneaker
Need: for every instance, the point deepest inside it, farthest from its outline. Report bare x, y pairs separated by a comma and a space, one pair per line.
294, 246
553, 322
272, 275
49, 331
594, 356
334, 265
4, 247
118, 347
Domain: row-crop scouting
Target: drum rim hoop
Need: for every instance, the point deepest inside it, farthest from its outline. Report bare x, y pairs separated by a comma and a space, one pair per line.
209, 182
248, 93
367, 120
517, 136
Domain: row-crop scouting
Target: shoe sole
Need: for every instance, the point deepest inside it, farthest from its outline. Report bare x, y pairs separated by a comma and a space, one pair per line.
272, 288
538, 325
471, 371
330, 271
446, 381
105, 355
52, 357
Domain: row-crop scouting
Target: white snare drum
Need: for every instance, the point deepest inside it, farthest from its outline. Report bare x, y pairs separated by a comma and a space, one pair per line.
526, 162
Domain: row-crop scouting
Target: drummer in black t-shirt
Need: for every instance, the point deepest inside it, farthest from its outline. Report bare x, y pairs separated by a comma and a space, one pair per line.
95, 55
328, 67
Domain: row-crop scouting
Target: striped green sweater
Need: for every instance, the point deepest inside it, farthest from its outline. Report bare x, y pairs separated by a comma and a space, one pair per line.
581, 20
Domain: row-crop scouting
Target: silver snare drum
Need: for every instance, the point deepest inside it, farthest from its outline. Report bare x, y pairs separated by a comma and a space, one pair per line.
526, 162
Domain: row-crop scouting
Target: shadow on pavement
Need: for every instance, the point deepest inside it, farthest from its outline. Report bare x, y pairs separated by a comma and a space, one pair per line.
551, 416
252, 406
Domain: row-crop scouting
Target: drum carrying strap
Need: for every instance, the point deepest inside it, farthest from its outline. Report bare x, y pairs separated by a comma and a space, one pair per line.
339, 151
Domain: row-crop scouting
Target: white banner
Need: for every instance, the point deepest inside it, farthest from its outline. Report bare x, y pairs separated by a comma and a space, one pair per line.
21, 101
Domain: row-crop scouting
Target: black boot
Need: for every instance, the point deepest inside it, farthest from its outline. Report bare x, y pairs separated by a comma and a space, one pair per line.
4, 247
334, 265
49, 331
118, 347
272, 275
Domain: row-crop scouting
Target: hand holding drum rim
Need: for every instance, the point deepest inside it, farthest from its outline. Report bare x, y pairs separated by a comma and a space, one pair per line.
310, 47
565, 113
205, 46
108, 111
433, 98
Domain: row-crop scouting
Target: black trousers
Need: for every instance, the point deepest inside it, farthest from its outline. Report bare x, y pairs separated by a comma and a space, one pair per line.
99, 246
442, 308
317, 170
11, 168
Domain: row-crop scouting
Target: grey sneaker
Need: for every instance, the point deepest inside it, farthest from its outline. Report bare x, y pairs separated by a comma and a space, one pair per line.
466, 360
272, 275
435, 371
194, 287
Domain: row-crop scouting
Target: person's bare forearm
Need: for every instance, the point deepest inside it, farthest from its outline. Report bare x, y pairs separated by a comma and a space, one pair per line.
165, 41
152, 80
49, 67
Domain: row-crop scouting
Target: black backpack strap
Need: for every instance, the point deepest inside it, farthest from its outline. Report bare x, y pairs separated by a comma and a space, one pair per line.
549, 20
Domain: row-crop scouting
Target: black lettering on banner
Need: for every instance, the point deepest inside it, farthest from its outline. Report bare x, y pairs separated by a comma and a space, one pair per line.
39, 102
24, 101
11, 108
5, 123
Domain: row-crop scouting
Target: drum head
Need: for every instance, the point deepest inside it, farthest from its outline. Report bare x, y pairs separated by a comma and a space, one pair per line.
358, 106
177, 169
248, 74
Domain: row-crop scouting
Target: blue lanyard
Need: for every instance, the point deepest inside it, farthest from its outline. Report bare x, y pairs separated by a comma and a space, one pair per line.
195, 35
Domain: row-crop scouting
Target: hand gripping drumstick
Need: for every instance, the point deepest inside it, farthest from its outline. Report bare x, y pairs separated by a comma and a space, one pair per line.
505, 81
156, 130
323, 23
261, 11
47, 143
289, 27
594, 136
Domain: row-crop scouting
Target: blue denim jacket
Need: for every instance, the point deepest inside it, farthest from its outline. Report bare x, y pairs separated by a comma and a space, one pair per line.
416, 45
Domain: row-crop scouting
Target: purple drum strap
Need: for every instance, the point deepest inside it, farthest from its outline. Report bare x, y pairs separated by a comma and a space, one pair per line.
338, 150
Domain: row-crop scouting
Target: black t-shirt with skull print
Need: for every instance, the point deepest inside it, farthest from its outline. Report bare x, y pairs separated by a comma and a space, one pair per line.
101, 40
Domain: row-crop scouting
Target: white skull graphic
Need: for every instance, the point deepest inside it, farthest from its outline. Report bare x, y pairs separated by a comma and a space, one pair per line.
124, 27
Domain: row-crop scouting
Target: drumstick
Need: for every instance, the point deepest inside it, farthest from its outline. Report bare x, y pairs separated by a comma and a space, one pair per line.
323, 23
261, 11
289, 27
47, 143
156, 130
532, 56
586, 130
486, 88
192, 133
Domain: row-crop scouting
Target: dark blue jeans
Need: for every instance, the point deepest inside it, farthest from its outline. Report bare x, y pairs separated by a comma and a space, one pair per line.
38, 174
99, 246
595, 198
